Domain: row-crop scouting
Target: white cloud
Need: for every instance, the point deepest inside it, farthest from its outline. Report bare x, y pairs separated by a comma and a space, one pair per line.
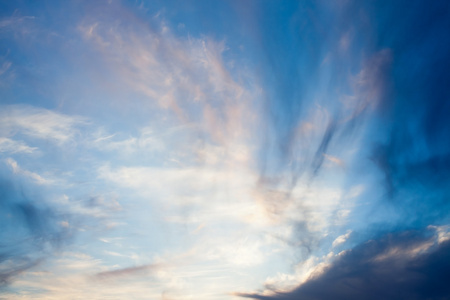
303, 271
341, 239
34, 176
38, 123
443, 233
147, 141
13, 21
12, 146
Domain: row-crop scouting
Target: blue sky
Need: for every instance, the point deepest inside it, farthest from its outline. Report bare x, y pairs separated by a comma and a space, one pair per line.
224, 149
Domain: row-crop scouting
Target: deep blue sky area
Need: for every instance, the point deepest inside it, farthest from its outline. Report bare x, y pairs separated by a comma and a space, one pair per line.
224, 149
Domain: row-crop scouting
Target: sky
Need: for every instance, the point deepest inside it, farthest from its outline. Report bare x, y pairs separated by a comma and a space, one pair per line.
216, 150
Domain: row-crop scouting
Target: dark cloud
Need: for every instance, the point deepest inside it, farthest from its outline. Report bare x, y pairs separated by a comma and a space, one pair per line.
319, 155
29, 231
406, 265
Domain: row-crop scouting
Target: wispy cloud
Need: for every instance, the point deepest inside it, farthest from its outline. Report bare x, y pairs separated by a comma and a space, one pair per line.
38, 123
34, 176
186, 76
124, 272
11, 146
17, 24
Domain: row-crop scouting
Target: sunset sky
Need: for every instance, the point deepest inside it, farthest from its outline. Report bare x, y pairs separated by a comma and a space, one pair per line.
214, 150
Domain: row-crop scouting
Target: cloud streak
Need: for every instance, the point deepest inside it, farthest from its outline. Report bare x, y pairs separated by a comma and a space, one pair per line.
125, 272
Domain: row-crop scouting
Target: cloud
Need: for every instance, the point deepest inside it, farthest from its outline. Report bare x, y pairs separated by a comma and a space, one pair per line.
147, 141
34, 176
403, 265
17, 24
185, 77
12, 146
125, 272
38, 123
341, 239
5, 66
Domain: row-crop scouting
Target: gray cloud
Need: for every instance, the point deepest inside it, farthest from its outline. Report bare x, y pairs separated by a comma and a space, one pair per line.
125, 272
404, 265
